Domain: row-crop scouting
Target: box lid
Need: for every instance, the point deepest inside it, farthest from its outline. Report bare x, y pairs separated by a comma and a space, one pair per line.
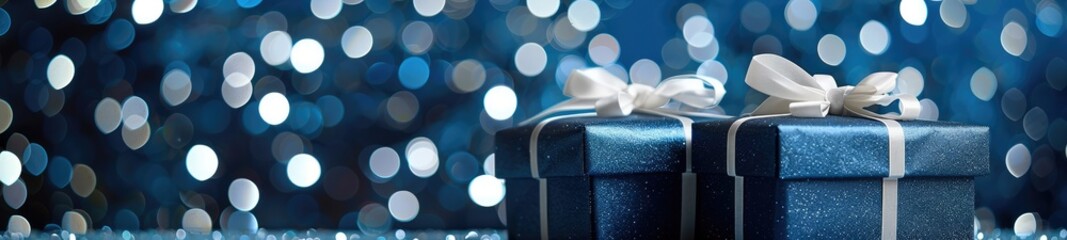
593, 146
840, 147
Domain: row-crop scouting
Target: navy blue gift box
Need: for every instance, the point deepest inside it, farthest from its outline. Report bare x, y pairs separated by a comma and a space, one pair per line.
822, 178
604, 177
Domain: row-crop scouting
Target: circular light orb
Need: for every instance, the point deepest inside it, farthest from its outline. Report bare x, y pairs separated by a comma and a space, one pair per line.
422, 157
486, 190
489, 165
413, 73
543, 8
19, 225
15, 195
326, 9
60, 172
1013, 39
1026, 225
930, 112
404, 206
239, 62
500, 102
913, 12
831, 49
984, 84
134, 113
274, 108
108, 115
60, 71
201, 162
35, 159
910, 81
428, 8
7, 115
83, 181
42, 4
953, 13
1049, 19
467, 76
306, 55
584, 15
136, 138
713, 69
384, 162
645, 72
874, 37
1013, 103
417, 37
801, 14
74, 222
698, 31
146, 11
196, 221
276, 47
10, 168
603, 49
531, 59
236, 96
1035, 123
244, 195
182, 6
176, 87
1018, 160
357, 41
303, 170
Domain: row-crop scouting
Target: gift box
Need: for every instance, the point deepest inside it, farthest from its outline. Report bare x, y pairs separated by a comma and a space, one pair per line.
825, 178
602, 177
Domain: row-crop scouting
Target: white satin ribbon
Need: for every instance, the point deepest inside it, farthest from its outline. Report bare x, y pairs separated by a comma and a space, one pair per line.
794, 92
597, 89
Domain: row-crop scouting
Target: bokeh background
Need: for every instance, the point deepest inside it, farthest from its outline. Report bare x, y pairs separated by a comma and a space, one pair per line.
380, 114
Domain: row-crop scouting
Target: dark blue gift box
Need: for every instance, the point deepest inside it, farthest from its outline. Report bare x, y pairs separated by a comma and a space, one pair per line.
604, 177
821, 178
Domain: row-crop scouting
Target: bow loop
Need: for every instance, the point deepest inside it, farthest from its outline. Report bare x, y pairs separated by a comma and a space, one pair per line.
597, 89
793, 91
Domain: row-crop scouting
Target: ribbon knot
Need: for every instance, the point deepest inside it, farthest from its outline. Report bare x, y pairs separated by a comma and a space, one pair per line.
793, 91
597, 89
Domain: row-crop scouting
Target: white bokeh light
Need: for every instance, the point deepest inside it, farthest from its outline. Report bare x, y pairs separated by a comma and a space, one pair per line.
108, 115
698, 31
486, 190
584, 15
134, 113
1026, 225
913, 11
404, 206
243, 194
422, 157
357, 41
274, 108
428, 8
384, 162
238, 63
306, 55
196, 221
201, 162
325, 9
146, 11
543, 8
276, 47
874, 37
831, 49
500, 102
1013, 39
303, 170
646, 72
1018, 160
10, 168
604, 49
984, 84
531, 59
176, 87
801, 14
953, 13
60, 71
910, 81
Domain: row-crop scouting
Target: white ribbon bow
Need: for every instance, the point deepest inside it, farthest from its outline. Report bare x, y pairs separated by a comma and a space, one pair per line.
792, 90
610, 96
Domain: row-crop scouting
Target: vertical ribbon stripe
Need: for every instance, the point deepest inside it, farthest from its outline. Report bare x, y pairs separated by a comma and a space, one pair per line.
536, 173
890, 183
731, 170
